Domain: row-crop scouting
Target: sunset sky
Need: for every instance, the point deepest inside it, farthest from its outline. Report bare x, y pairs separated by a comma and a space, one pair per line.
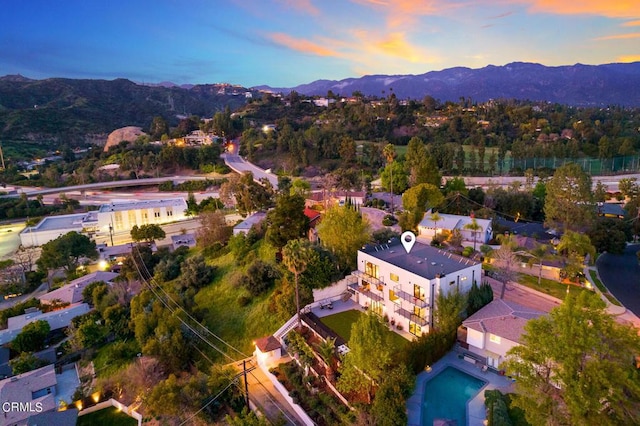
283, 43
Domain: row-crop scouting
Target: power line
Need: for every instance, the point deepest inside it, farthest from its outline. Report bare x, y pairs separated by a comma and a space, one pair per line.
151, 279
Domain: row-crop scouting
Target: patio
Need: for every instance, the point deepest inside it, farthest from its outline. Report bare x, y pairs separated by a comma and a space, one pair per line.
476, 412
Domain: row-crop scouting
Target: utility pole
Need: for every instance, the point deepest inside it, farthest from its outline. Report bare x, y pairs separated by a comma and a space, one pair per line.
1, 156
246, 383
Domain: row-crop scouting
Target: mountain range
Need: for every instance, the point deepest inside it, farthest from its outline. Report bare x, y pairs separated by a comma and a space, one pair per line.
577, 85
68, 110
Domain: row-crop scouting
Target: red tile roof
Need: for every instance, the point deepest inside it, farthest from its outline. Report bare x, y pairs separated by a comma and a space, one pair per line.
268, 344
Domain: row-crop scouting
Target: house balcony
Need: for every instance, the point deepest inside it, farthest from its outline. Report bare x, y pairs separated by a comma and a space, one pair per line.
407, 297
368, 278
365, 291
411, 316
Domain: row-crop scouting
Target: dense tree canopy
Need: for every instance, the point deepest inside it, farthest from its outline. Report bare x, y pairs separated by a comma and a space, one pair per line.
567, 204
66, 252
343, 231
287, 220
147, 232
576, 366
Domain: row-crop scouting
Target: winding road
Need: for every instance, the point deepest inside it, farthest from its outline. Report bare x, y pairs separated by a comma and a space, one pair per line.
621, 275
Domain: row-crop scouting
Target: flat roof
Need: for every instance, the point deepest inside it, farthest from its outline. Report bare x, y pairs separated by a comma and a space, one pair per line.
251, 220
422, 260
51, 223
142, 204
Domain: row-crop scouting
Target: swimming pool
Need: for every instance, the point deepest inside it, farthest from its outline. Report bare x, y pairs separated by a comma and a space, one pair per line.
446, 395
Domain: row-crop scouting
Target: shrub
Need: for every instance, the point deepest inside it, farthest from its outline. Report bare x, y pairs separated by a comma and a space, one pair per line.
243, 301
259, 278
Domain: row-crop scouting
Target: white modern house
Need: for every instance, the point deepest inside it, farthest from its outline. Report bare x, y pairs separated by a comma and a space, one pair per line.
448, 222
494, 329
108, 219
404, 286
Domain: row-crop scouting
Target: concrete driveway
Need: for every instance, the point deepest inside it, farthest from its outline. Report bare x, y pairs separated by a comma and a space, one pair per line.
621, 275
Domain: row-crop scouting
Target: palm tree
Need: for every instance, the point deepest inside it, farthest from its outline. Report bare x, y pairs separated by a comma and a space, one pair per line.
389, 152
435, 217
577, 243
576, 247
296, 256
474, 227
327, 351
539, 253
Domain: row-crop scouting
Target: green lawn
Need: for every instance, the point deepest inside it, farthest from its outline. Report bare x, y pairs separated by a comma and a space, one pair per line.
341, 324
114, 356
238, 325
107, 417
550, 287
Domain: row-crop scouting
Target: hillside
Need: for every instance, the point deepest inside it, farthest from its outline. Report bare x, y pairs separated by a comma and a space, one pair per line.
67, 110
575, 85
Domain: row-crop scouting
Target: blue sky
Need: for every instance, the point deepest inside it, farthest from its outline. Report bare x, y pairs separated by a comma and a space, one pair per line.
284, 43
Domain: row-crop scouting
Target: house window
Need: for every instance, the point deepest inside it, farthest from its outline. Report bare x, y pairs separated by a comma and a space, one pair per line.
376, 307
393, 297
394, 277
415, 329
169, 211
145, 217
418, 292
495, 339
452, 282
419, 312
371, 270
156, 214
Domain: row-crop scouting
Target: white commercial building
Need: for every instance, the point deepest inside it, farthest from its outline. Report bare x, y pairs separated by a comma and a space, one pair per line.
404, 286
109, 218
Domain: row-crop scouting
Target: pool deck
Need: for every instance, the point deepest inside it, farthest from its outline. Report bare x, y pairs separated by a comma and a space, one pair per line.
476, 413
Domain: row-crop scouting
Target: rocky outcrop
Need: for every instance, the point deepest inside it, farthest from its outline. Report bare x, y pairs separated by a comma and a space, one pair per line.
129, 134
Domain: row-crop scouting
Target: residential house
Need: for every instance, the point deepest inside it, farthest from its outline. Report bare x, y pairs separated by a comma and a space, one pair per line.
404, 286
57, 319
186, 240
450, 222
72, 293
314, 219
494, 329
245, 226
27, 394
326, 199
610, 210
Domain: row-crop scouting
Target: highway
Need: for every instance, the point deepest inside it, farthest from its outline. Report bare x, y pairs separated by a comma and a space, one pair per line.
240, 165
104, 185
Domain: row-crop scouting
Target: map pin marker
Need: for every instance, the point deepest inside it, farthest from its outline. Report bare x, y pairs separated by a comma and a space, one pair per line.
408, 239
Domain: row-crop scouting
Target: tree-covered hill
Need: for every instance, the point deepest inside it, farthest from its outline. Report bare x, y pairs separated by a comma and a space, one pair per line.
69, 110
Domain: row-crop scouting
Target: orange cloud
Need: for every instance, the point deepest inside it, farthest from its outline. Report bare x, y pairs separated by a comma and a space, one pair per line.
620, 36
304, 6
302, 45
396, 45
611, 8
629, 58
389, 45
402, 13
631, 24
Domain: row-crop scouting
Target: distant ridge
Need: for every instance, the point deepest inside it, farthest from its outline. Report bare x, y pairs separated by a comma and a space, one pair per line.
577, 85
71, 110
